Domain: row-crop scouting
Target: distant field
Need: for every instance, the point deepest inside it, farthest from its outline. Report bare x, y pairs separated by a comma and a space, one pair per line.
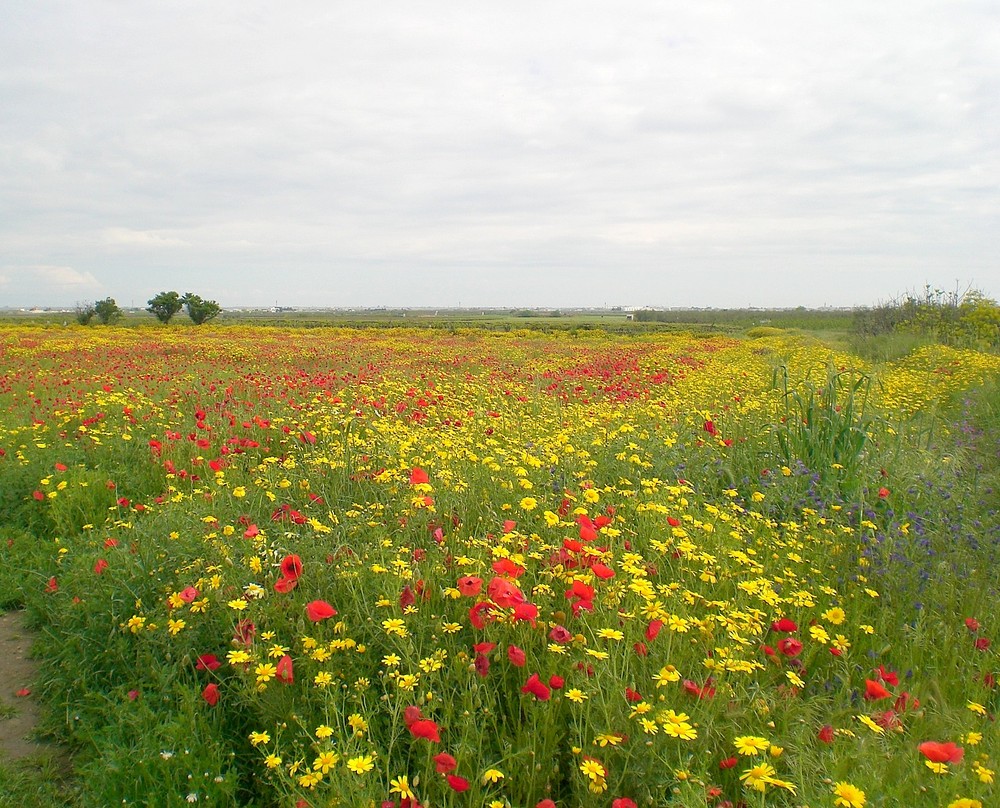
613, 320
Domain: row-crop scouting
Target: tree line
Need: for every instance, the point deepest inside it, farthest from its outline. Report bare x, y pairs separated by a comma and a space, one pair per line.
163, 306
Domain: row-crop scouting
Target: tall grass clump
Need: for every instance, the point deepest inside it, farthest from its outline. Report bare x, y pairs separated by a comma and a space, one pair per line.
827, 427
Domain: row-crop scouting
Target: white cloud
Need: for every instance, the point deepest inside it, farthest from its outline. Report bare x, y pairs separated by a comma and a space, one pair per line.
57, 278
126, 237
43, 284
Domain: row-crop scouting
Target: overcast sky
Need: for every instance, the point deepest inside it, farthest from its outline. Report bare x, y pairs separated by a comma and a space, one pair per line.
508, 153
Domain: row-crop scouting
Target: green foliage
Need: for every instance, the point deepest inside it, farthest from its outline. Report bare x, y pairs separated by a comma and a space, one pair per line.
35, 782
740, 319
199, 310
107, 311
84, 313
969, 320
825, 427
761, 331
160, 744
165, 305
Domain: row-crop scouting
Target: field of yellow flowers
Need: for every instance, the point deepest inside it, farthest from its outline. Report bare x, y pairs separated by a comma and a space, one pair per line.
412, 568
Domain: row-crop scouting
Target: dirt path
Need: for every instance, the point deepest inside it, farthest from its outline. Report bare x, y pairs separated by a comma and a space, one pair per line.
17, 675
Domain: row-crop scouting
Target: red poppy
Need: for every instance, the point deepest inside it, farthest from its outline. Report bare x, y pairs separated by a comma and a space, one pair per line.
284, 673
505, 566
875, 691
790, 646
632, 695
728, 763
587, 532
425, 728
319, 610
883, 493
972, 624
556, 682
623, 802
52, 585
476, 616
889, 677
406, 597
784, 625
482, 665
602, 571
418, 476
981, 643
546, 803
100, 566
291, 567
653, 629
825, 733
207, 662
705, 691
211, 694
537, 688
244, 632
188, 594
560, 634
444, 763
516, 656
457, 783
470, 585
526, 611
410, 714
941, 752
285, 585
504, 594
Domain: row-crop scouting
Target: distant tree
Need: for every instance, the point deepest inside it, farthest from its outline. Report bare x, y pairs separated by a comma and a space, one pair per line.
107, 311
84, 313
200, 311
165, 305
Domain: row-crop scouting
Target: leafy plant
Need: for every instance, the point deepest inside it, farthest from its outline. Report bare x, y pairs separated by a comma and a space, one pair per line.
107, 311
84, 313
165, 305
199, 310
827, 428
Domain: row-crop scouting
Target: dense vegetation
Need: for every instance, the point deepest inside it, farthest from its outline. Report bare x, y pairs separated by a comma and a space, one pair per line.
332, 566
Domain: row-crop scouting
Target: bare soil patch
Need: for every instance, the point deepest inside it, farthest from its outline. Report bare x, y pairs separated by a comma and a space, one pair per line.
19, 710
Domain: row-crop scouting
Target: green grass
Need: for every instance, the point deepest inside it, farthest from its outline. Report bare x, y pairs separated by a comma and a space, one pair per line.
36, 782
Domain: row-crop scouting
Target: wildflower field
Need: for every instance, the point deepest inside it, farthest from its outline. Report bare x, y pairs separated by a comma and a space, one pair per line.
325, 567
